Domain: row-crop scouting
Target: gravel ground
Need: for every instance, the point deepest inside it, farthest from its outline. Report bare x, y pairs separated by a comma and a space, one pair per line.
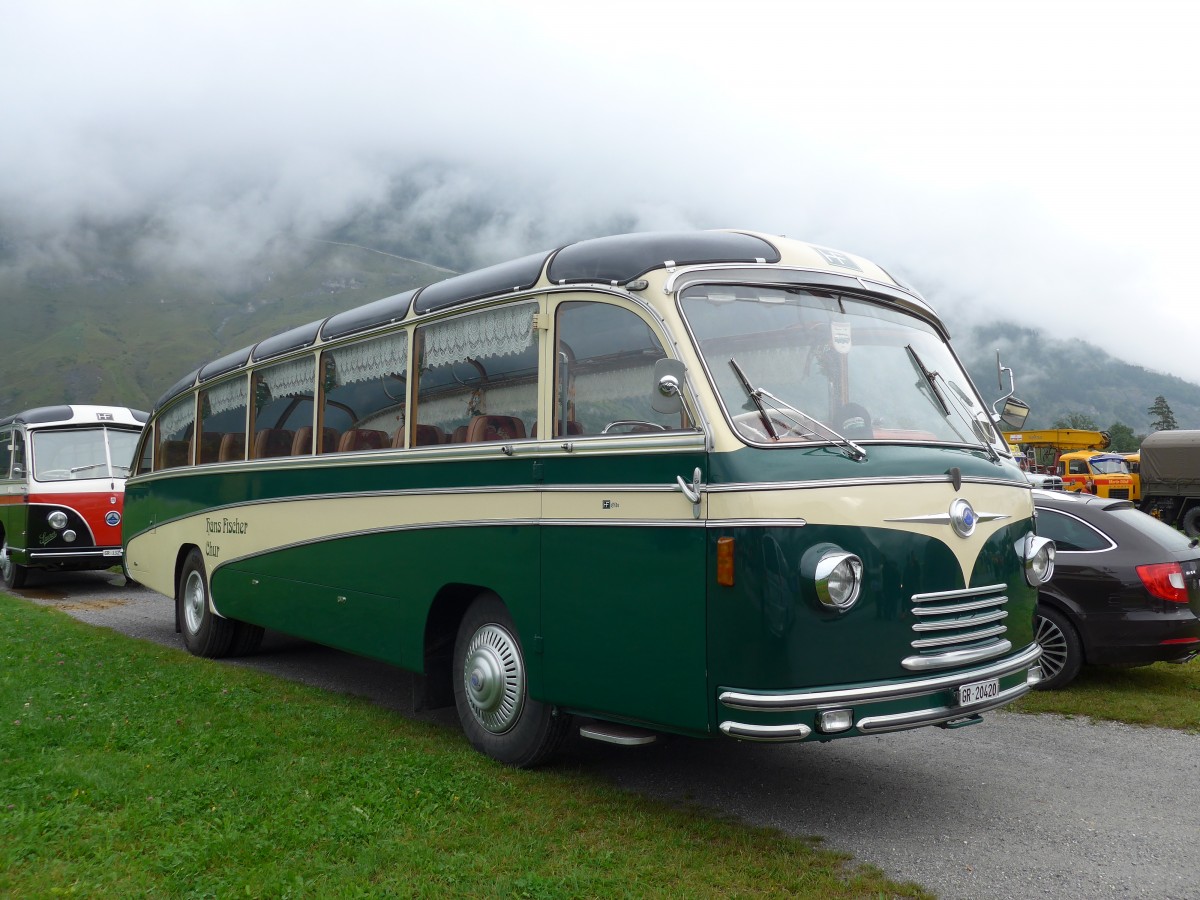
1018, 806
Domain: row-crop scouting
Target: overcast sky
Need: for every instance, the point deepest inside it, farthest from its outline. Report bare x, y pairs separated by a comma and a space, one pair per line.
1035, 161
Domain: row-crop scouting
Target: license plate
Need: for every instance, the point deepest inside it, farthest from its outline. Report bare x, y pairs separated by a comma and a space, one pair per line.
111, 552
978, 691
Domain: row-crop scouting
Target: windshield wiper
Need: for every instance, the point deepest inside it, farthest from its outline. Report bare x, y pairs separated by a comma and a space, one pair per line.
960, 408
789, 412
928, 376
756, 396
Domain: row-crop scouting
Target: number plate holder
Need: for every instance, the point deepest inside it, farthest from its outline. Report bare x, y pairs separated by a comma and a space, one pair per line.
978, 691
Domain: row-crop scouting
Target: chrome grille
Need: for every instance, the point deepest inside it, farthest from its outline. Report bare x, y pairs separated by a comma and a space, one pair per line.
955, 628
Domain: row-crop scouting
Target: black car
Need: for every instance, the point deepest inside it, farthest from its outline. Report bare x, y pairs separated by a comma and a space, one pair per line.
1125, 590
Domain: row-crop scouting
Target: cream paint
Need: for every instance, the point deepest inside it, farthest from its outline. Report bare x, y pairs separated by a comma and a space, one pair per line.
237, 532
881, 506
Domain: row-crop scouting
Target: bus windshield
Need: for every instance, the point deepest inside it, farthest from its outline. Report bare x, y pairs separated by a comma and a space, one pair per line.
792, 365
76, 453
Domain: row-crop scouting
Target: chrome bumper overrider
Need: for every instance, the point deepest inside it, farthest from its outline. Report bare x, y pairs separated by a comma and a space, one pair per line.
798, 701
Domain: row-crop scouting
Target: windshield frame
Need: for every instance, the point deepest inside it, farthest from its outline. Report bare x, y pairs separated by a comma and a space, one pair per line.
908, 308
98, 470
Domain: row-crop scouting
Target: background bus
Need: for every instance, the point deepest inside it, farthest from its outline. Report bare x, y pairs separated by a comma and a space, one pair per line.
711, 483
62, 484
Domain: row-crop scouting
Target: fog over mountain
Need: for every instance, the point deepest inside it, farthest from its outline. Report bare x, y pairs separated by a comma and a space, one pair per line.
197, 155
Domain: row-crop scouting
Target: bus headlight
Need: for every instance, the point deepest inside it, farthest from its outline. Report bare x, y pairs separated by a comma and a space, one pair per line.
1038, 555
838, 579
57, 520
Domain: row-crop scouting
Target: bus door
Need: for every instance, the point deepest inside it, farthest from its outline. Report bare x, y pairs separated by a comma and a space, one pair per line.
623, 548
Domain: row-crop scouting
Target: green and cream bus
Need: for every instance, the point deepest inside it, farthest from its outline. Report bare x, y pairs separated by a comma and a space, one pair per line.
708, 483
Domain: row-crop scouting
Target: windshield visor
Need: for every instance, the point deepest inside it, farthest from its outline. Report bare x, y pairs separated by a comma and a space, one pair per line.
866, 371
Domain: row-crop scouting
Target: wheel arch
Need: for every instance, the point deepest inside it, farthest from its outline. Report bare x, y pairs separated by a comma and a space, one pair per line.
180, 556
1073, 613
436, 688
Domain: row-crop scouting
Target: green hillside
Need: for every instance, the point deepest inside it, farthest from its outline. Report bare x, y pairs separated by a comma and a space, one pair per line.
105, 327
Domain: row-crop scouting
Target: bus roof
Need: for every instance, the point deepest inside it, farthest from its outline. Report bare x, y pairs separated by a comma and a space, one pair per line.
612, 261
76, 414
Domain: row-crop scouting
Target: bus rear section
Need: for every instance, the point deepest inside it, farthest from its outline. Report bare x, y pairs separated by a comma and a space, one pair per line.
64, 471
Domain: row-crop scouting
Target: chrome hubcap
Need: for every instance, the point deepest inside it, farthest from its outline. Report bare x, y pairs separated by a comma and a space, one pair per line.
6, 563
194, 602
494, 679
1054, 647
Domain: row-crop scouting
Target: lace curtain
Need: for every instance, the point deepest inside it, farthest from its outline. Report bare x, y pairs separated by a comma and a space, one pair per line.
176, 419
290, 379
372, 359
497, 332
226, 396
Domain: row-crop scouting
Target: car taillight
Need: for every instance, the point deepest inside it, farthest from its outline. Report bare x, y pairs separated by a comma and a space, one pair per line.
1164, 580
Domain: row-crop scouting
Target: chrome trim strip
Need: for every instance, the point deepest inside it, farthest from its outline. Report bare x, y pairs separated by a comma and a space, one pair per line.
802, 700
98, 553
946, 640
955, 657
965, 592
959, 607
756, 523
747, 486
963, 622
944, 518
938, 714
746, 732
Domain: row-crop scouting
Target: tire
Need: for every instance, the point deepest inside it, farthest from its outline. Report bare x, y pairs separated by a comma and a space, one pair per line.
491, 691
1062, 651
1191, 522
204, 632
12, 573
247, 638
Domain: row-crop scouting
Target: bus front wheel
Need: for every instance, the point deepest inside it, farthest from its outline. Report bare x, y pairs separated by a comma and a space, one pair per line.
491, 692
13, 572
204, 632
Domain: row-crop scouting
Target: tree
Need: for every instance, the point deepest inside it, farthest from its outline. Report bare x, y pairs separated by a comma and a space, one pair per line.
1079, 420
1164, 419
1123, 440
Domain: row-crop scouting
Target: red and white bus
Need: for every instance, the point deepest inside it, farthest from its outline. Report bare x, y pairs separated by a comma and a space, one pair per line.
62, 487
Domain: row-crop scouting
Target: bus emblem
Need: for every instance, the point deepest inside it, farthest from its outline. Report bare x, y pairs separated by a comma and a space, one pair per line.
112, 517
962, 518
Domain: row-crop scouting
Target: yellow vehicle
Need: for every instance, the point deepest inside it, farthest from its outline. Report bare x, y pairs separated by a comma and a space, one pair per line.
1045, 447
1134, 461
1102, 474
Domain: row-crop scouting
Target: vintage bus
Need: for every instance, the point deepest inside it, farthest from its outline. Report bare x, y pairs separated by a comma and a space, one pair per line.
62, 485
710, 483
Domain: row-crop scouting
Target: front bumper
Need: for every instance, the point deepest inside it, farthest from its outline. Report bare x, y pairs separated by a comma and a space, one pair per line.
874, 709
81, 558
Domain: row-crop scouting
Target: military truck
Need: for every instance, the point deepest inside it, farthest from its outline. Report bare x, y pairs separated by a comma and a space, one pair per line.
1170, 473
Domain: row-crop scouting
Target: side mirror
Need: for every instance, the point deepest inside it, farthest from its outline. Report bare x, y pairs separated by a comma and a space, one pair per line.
1014, 414
667, 394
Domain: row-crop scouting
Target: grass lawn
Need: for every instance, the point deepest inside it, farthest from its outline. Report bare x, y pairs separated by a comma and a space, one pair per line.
1164, 695
129, 769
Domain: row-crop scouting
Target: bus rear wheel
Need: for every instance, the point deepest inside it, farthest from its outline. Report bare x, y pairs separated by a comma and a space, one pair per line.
12, 572
491, 691
204, 632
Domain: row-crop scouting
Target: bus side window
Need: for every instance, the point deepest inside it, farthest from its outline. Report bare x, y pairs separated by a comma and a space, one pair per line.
364, 388
222, 420
19, 467
5, 453
174, 434
604, 372
478, 379
283, 402
145, 462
